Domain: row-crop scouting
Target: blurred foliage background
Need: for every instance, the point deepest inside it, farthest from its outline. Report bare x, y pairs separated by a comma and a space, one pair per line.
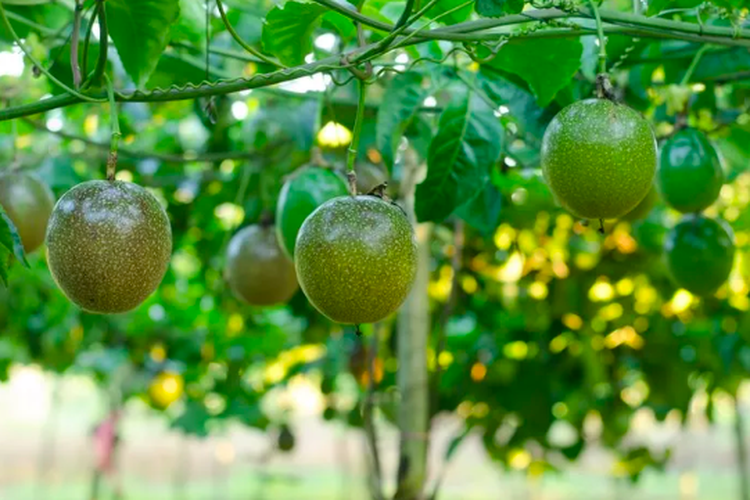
545, 337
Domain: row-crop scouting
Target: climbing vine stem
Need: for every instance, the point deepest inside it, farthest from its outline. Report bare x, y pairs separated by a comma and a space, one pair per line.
101, 64
36, 63
237, 38
601, 37
693, 64
354, 145
116, 134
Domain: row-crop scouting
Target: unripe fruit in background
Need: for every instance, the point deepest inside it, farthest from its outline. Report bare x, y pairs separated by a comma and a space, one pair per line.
700, 254
599, 158
257, 270
690, 174
108, 245
28, 202
303, 192
356, 259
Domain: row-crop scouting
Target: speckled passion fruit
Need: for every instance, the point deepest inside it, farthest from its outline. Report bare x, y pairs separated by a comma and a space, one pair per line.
257, 270
356, 259
690, 174
700, 254
643, 208
28, 202
599, 158
303, 192
108, 245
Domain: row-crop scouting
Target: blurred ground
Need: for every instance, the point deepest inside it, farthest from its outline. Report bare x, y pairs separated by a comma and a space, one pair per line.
44, 457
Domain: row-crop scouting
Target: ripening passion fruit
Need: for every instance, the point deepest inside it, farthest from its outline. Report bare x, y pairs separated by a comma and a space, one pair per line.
690, 174
700, 253
257, 270
108, 245
28, 202
302, 193
356, 259
599, 158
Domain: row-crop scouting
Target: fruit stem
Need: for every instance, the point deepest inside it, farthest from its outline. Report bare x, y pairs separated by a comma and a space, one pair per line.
693, 64
601, 226
116, 134
237, 38
354, 145
602, 39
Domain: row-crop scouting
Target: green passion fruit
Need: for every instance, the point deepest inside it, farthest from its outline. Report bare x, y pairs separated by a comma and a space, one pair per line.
356, 259
108, 245
257, 270
644, 208
28, 202
690, 174
599, 158
302, 193
700, 254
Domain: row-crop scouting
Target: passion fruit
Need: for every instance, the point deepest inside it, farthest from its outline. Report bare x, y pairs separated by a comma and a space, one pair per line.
108, 245
28, 202
356, 259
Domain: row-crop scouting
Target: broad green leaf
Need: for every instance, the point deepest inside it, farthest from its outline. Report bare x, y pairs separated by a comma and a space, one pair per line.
287, 32
140, 30
402, 98
10, 239
192, 23
546, 65
483, 212
467, 144
441, 9
497, 8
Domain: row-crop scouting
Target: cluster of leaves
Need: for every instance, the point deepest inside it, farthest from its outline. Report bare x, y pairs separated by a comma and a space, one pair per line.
552, 323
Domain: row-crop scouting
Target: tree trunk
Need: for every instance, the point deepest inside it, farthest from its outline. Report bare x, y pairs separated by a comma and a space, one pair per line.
413, 333
742, 463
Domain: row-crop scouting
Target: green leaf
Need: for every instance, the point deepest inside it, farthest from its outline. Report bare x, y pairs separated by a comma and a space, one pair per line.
192, 23
25, 2
456, 16
467, 144
10, 239
497, 8
546, 65
402, 98
287, 31
483, 212
140, 30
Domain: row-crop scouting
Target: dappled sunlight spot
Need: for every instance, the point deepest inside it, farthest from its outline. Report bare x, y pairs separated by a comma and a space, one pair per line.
527, 242
624, 336
334, 135
681, 301
504, 237
558, 344
516, 350
185, 264
124, 176
610, 312
91, 125
464, 409
512, 270
601, 291
478, 372
636, 394
480, 410
519, 459
538, 290
235, 325
624, 287
641, 324
230, 215
158, 353
274, 373
572, 321
445, 359
469, 284
560, 410
597, 342
586, 261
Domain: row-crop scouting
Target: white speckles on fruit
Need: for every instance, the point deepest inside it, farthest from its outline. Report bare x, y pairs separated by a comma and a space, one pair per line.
108, 245
257, 270
356, 259
599, 158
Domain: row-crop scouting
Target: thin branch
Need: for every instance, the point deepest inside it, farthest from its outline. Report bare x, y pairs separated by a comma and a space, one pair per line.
368, 411
101, 64
74, 42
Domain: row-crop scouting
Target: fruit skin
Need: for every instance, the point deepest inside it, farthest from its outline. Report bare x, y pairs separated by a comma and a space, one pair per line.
28, 202
302, 193
599, 158
356, 259
700, 254
690, 174
108, 245
643, 208
257, 270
